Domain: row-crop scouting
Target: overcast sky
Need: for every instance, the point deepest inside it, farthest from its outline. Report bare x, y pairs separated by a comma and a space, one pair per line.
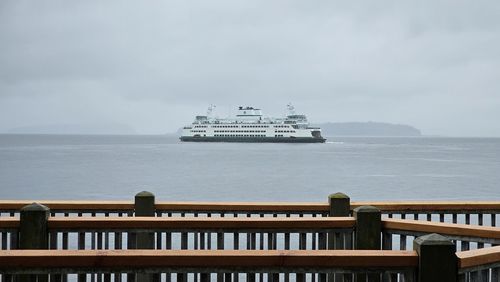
154, 65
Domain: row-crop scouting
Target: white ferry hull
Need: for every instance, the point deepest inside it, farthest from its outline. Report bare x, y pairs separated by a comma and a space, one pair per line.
254, 139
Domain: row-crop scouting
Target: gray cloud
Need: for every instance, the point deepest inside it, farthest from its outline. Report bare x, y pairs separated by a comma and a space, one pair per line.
155, 64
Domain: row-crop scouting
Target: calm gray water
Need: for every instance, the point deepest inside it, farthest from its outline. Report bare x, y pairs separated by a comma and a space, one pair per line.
117, 167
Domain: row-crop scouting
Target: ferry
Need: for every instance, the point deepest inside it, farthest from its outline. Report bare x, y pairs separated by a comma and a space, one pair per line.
250, 125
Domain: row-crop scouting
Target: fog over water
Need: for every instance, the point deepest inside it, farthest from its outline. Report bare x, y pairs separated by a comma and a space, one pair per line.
149, 66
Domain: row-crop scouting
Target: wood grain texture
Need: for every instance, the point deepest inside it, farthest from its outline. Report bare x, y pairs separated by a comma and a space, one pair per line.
70, 205
79, 223
442, 228
258, 206
432, 205
9, 222
203, 258
478, 257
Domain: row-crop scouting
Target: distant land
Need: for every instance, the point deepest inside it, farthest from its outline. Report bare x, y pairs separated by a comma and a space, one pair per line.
328, 129
367, 129
90, 129
361, 129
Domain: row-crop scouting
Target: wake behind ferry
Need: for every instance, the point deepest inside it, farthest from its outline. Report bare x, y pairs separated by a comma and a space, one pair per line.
250, 125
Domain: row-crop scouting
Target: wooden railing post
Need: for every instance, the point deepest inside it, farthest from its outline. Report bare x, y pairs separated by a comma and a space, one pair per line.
33, 234
437, 261
144, 205
340, 205
367, 235
368, 228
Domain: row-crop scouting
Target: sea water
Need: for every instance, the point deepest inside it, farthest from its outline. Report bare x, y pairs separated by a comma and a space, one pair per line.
73, 167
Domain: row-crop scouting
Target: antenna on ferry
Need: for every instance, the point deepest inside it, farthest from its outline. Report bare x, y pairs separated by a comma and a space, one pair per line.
210, 109
291, 109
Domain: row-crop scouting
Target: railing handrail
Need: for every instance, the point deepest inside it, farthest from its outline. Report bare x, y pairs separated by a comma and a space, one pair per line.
205, 223
236, 223
447, 229
27, 259
9, 222
443, 206
55, 205
388, 224
320, 207
478, 257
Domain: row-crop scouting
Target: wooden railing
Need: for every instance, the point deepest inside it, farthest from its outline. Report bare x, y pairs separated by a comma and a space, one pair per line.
479, 265
177, 229
200, 264
194, 233
463, 235
482, 213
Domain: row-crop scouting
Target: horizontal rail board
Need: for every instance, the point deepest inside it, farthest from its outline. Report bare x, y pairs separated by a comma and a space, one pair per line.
9, 223
474, 258
444, 206
201, 258
207, 223
442, 228
283, 207
71, 205
243, 206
